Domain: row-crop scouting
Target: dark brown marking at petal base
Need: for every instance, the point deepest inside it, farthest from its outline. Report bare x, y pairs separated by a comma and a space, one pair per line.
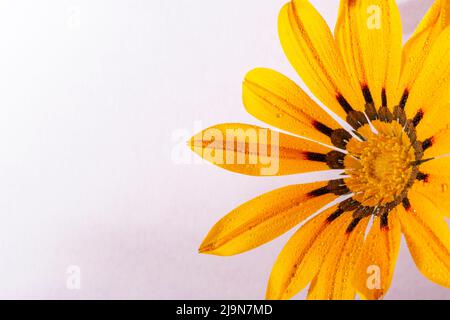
427, 143
340, 138
318, 157
353, 224
336, 214
338, 187
356, 119
335, 160
344, 103
417, 118
318, 192
363, 212
371, 111
400, 115
384, 221
422, 176
322, 128
385, 114
406, 204
349, 205
366, 93
404, 99
384, 98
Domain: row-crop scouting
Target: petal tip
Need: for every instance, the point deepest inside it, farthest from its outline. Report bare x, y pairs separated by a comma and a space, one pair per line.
205, 248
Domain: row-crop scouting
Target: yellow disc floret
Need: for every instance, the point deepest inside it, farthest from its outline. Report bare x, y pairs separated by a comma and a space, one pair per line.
380, 165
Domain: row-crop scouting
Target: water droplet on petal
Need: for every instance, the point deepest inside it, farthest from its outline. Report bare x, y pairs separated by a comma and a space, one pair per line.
444, 187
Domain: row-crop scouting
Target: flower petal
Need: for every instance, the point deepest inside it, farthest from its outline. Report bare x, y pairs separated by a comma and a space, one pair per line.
265, 218
437, 17
369, 36
416, 50
437, 116
300, 259
435, 183
257, 151
428, 238
311, 49
376, 264
431, 86
438, 144
334, 280
278, 101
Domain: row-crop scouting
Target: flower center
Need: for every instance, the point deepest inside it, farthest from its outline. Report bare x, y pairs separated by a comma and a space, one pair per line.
379, 167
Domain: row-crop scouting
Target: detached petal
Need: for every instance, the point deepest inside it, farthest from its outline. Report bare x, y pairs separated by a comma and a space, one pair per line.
435, 184
311, 49
334, 281
375, 268
257, 151
300, 259
428, 238
369, 36
278, 101
265, 218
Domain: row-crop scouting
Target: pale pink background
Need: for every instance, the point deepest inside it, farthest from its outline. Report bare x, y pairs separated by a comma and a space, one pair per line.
95, 97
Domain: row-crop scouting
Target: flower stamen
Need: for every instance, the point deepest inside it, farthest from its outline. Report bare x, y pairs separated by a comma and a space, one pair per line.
382, 168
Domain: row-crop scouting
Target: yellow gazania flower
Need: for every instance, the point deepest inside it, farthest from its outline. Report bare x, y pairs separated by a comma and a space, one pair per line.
397, 172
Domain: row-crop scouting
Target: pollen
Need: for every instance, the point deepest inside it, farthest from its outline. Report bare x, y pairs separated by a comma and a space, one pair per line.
379, 166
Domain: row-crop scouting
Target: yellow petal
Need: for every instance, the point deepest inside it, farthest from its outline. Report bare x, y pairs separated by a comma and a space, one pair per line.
437, 17
376, 264
265, 218
431, 86
428, 238
435, 184
438, 144
417, 49
437, 116
300, 259
369, 36
334, 280
257, 151
311, 49
278, 101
